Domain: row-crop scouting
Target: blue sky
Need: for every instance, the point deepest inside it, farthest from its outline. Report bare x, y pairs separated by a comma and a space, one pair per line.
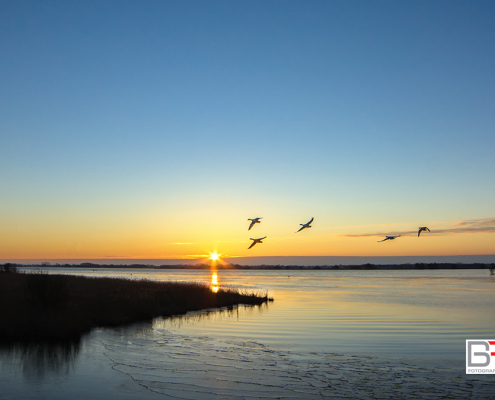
129, 126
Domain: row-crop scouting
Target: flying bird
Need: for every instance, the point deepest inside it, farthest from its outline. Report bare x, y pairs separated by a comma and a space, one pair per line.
423, 229
256, 241
389, 238
253, 221
306, 225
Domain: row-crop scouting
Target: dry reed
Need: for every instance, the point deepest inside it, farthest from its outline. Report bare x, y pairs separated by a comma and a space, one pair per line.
40, 307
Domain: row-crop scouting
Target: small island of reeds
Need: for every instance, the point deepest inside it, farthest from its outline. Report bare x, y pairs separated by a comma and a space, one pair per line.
42, 307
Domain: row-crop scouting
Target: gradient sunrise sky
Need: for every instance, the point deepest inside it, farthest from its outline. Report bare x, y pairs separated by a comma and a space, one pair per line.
155, 129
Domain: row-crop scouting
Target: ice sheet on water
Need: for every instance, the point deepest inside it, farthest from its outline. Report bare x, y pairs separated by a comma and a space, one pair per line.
191, 367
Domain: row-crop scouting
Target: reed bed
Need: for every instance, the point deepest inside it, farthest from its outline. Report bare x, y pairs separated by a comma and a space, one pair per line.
42, 307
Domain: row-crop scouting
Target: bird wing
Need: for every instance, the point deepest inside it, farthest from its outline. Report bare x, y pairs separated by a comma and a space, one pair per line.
419, 231
428, 229
310, 221
251, 225
252, 244
301, 228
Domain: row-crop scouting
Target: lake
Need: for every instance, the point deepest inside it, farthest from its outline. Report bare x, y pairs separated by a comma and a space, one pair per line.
339, 334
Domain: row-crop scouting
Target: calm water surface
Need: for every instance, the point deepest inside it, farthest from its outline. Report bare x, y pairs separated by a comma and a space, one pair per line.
421, 316
393, 312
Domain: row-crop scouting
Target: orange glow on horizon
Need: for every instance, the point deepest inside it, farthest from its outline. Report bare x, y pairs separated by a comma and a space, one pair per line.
105, 244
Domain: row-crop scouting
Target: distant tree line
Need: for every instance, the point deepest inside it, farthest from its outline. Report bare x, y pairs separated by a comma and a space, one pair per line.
13, 267
8, 268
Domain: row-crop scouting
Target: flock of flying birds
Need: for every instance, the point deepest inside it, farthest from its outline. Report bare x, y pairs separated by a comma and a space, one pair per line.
308, 225
420, 229
257, 221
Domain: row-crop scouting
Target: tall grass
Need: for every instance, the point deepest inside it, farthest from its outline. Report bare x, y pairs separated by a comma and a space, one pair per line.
46, 291
35, 307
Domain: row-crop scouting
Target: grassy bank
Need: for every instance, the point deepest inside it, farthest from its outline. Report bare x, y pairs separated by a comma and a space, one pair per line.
40, 307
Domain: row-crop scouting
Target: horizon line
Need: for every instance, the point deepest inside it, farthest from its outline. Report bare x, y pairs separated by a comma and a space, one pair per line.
264, 260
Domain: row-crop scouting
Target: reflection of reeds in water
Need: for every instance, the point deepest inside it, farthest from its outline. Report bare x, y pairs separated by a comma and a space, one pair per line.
208, 315
36, 359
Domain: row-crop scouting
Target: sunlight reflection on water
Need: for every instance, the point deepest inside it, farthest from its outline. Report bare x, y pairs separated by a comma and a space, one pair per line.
214, 282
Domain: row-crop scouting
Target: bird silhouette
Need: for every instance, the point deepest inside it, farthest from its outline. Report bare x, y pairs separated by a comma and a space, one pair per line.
306, 225
253, 221
256, 241
389, 238
423, 229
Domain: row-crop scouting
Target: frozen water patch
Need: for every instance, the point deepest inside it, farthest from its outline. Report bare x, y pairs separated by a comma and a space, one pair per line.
191, 367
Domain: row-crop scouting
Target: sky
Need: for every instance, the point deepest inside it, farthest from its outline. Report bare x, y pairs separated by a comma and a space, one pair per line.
155, 129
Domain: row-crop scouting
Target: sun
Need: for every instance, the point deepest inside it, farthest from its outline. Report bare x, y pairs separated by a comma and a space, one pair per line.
214, 256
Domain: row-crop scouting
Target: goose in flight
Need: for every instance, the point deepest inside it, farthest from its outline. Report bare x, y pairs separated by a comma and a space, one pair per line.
389, 238
423, 229
256, 241
306, 225
253, 221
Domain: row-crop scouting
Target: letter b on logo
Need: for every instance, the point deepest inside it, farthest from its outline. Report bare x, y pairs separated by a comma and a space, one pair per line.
485, 354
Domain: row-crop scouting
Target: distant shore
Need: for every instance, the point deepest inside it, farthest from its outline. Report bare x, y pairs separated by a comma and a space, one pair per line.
208, 266
49, 307
301, 261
